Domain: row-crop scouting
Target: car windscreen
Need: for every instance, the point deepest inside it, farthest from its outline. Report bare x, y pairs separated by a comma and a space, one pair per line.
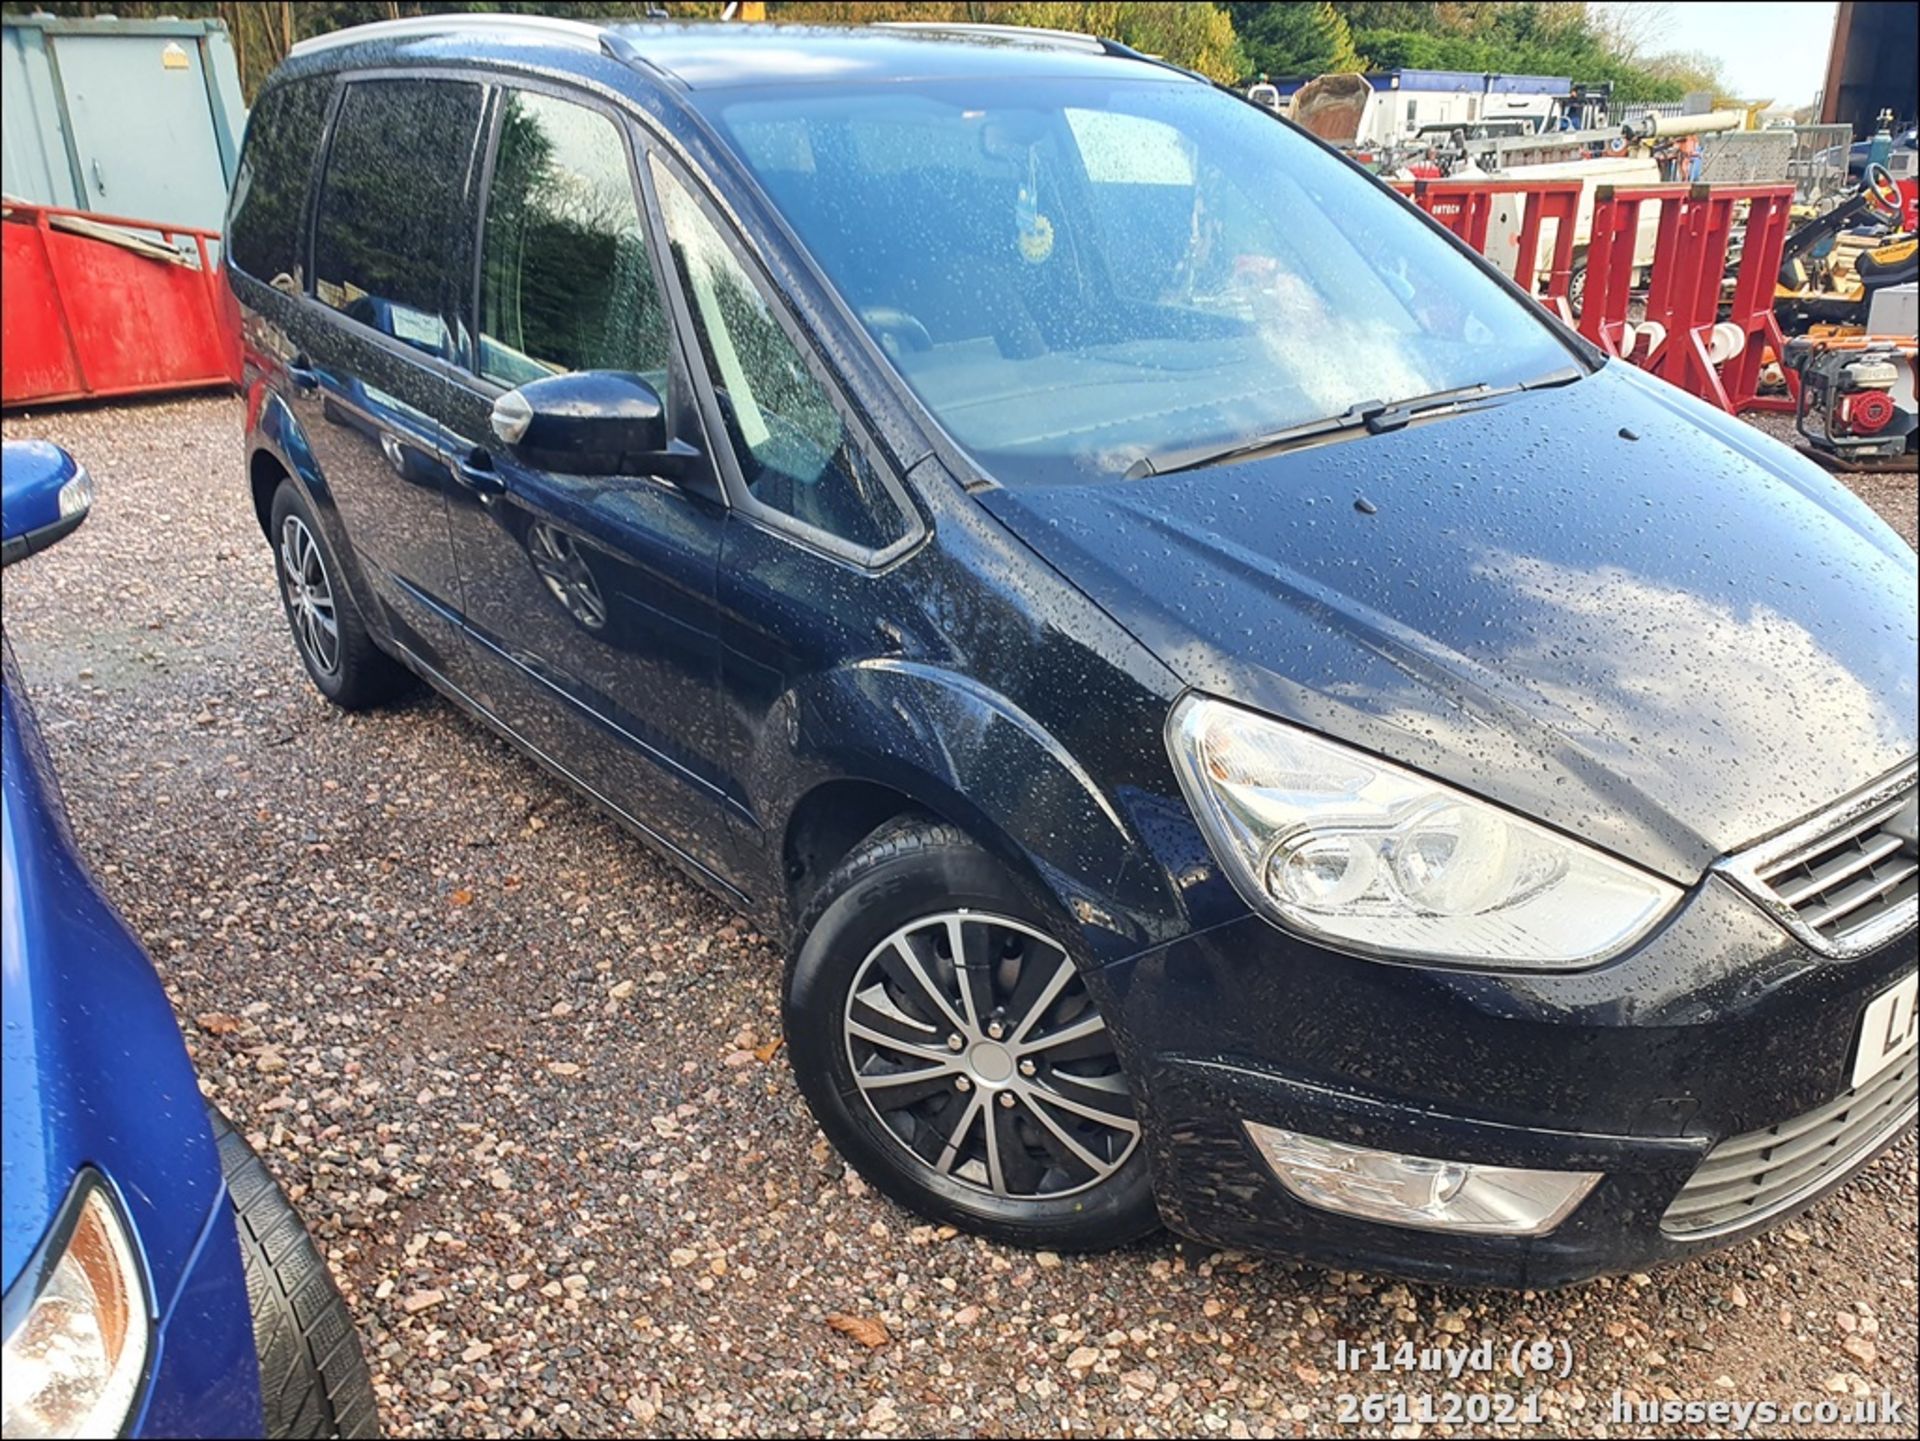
1077, 273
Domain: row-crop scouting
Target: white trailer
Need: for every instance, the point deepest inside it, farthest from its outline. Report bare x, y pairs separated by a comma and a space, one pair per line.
1403, 103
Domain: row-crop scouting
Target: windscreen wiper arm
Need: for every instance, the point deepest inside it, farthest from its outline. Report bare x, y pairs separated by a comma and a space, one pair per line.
1371, 416
1394, 416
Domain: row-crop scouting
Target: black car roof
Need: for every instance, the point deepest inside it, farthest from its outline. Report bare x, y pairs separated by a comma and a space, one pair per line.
711, 55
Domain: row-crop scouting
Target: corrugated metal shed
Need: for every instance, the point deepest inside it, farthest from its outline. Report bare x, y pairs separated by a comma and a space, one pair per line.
127, 117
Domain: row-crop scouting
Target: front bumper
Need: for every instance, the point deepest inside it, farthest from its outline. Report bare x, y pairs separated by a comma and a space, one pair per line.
1719, 1025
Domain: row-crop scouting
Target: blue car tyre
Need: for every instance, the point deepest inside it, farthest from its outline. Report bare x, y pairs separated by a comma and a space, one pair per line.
313, 1379
328, 631
949, 1046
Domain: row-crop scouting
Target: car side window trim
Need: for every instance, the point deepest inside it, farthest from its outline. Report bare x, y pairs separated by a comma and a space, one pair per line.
683, 399
727, 463
310, 207
468, 315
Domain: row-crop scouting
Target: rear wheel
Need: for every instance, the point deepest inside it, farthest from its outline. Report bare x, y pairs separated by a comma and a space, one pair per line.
328, 632
313, 1379
950, 1048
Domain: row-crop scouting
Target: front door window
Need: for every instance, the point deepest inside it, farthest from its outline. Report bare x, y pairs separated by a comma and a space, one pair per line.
565, 282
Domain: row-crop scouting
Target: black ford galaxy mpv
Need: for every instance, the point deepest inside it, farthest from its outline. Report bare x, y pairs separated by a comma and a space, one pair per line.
1245, 719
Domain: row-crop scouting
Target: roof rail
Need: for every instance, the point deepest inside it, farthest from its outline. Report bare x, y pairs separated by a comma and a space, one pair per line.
579, 33
1073, 38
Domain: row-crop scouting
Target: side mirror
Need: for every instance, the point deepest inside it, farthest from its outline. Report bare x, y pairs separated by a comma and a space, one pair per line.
44, 495
589, 422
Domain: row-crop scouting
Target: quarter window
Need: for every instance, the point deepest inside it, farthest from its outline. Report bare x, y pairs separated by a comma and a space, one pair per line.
565, 279
270, 190
395, 174
795, 451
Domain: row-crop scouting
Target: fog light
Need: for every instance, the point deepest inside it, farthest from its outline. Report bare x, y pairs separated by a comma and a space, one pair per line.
1419, 1191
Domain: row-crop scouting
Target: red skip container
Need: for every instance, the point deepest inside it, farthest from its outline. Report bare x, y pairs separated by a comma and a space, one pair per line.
92, 306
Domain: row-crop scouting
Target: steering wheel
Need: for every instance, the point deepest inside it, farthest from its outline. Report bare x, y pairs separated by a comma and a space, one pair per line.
1881, 188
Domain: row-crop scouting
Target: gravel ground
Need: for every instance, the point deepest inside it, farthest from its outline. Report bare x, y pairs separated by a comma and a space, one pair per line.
1892, 493
523, 1082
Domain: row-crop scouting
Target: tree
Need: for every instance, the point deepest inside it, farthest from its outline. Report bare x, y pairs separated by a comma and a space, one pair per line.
1201, 37
1689, 69
1198, 36
1629, 31
1386, 14
1589, 44
1296, 39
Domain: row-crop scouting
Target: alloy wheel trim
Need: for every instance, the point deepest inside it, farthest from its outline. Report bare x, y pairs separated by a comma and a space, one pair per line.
1030, 1111
309, 595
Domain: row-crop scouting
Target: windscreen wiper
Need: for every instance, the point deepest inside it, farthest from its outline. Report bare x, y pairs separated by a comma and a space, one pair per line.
1371, 416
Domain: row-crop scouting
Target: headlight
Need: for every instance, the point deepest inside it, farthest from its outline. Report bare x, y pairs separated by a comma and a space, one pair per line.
73, 1362
76, 496
1347, 849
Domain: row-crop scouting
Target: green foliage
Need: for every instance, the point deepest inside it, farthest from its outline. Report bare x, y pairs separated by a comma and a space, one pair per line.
1524, 38
1200, 37
1295, 39
1537, 37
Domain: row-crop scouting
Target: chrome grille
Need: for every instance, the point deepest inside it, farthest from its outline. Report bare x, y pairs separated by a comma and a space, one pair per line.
1847, 880
1748, 1178
1844, 880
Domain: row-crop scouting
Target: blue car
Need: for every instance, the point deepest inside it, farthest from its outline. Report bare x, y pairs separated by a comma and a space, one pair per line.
157, 1281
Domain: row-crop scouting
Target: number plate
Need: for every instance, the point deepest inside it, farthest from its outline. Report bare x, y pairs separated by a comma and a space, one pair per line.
1886, 1031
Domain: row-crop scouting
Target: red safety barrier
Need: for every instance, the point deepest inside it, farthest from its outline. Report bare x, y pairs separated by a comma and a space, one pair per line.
1686, 286
88, 309
1467, 207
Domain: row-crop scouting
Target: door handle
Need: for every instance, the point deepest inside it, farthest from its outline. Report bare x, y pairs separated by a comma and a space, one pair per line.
475, 471
301, 374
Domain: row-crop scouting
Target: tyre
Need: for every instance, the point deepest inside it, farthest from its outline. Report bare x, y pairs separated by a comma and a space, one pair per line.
328, 632
313, 1379
947, 1044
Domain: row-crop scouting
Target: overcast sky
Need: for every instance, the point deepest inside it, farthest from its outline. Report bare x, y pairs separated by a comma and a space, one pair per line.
1773, 49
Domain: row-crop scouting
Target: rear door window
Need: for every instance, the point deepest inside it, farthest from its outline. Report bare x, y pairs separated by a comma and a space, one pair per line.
396, 173
264, 236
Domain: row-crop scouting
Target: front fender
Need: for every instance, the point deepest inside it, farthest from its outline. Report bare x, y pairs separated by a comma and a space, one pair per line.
976, 759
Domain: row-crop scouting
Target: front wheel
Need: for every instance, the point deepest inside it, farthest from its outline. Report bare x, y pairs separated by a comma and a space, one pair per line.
948, 1044
313, 1379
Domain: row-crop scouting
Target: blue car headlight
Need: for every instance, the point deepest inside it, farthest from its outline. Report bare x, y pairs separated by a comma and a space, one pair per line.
75, 1356
76, 496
